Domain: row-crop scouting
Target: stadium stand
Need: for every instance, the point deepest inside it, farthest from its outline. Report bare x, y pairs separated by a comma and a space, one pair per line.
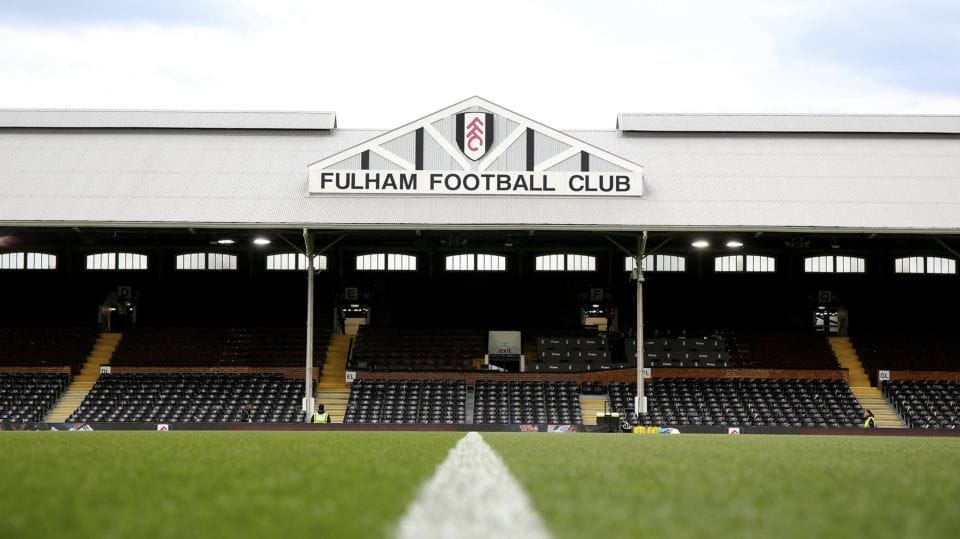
697, 350
27, 396
217, 347
407, 401
917, 351
779, 350
191, 398
388, 349
526, 402
740, 402
46, 346
575, 353
926, 404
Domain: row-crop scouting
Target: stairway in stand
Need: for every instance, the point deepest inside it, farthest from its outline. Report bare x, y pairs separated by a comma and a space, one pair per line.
870, 397
332, 388
591, 405
81, 385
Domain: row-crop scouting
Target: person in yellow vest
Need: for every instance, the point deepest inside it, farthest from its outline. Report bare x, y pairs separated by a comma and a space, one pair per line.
321, 416
868, 420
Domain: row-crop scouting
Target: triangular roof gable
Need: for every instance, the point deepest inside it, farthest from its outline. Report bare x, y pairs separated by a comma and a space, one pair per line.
375, 145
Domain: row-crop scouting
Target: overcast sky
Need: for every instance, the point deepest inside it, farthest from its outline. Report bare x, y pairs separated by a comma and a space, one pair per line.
380, 64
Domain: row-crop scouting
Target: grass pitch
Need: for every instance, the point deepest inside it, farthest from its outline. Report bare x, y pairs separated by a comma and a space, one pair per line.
345, 484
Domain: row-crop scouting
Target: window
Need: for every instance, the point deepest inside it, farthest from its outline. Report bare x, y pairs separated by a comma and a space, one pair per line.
131, 261
581, 263
371, 262
491, 263
728, 263
850, 264
30, 261
568, 262
116, 261
930, 264
818, 264
832, 264
760, 263
397, 262
740, 263
550, 263
294, 261
476, 262
206, 261
388, 262
102, 261
657, 263
943, 266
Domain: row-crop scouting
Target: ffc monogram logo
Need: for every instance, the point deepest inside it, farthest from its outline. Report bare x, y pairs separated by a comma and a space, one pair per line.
474, 133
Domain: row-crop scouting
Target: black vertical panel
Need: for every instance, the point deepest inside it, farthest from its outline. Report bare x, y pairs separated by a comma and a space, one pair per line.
584, 162
530, 153
365, 160
419, 149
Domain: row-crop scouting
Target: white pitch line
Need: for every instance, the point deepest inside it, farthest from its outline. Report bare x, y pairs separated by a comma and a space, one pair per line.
472, 494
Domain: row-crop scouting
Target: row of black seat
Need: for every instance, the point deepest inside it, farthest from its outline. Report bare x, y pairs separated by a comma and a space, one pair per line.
407, 401
740, 402
192, 398
527, 402
26, 397
926, 404
260, 346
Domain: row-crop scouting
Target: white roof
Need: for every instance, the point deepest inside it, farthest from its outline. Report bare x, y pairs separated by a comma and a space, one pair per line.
789, 123
166, 119
752, 181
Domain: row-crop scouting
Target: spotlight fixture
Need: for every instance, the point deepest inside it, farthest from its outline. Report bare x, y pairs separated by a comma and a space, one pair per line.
226, 241
701, 244
261, 241
734, 244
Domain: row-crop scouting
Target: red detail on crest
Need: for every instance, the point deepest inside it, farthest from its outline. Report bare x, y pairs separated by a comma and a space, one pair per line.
475, 134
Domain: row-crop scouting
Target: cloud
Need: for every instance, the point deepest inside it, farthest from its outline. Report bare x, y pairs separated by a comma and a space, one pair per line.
567, 64
912, 45
61, 13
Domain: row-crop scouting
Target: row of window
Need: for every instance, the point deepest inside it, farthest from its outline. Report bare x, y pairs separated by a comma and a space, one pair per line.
480, 262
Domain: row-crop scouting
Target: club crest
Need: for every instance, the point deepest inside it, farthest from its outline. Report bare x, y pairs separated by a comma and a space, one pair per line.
474, 133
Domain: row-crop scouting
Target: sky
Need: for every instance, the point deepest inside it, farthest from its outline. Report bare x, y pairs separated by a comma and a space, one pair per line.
565, 63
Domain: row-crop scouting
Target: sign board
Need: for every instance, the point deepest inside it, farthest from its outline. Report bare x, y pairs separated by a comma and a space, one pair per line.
646, 372
459, 182
104, 369
596, 294
163, 427
883, 376
733, 430
504, 343
351, 376
476, 148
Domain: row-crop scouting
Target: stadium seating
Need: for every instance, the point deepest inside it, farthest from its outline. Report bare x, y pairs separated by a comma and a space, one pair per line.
29, 397
779, 350
661, 350
407, 401
575, 354
192, 398
908, 351
740, 402
927, 404
145, 346
46, 346
526, 402
382, 349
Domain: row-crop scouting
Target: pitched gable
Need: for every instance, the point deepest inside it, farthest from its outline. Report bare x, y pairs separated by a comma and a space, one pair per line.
476, 147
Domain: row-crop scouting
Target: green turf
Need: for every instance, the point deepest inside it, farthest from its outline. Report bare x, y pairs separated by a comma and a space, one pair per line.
259, 484
740, 486
211, 484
